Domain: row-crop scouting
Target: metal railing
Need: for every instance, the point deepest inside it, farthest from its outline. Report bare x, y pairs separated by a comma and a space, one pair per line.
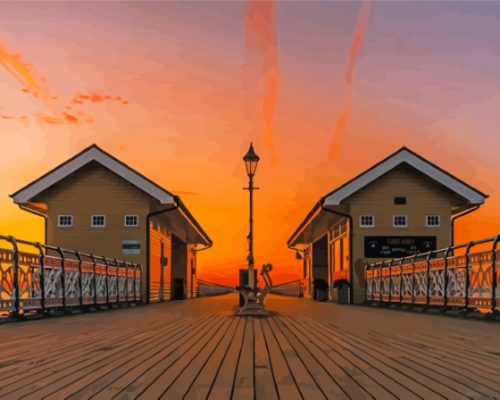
440, 278
293, 288
57, 278
206, 288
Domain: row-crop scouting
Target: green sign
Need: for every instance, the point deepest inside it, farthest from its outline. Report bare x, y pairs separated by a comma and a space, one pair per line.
131, 247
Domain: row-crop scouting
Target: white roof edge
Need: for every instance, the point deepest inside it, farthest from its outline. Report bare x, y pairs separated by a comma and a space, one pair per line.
204, 237
93, 154
421, 165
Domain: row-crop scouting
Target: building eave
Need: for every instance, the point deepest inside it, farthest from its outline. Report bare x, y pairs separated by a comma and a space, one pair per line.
92, 154
405, 156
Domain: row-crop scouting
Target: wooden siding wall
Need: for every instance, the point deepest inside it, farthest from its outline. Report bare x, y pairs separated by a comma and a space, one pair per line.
160, 289
338, 252
95, 190
307, 277
423, 197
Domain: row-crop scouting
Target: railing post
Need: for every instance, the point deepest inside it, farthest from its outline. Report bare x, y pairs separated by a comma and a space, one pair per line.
390, 280
134, 280
77, 253
366, 282
42, 276
141, 275
494, 282
126, 281
117, 281
413, 279
381, 282
445, 294
467, 279
95, 278
63, 276
15, 271
107, 279
427, 291
401, 281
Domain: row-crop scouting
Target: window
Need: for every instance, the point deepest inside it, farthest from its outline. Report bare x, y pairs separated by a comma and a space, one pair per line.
399, 221
98, 221
131, 220
432, 221
65, 221
400, 200
366, 221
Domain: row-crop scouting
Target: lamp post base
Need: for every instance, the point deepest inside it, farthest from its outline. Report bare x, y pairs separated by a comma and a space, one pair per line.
252, 310
252, 307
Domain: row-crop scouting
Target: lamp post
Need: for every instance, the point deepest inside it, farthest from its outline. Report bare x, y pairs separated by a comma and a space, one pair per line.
251, 160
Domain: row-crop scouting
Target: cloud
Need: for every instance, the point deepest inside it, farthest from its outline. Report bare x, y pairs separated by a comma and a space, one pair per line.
364, 16
34, 85
261, 51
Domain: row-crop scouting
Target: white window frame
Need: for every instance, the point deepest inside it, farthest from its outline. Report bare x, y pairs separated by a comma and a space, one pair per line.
433, 226
125, 221
361, 225
64, 226
92, 221
399, 226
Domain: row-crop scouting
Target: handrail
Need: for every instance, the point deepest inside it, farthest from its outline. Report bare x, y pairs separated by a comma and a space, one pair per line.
40, 281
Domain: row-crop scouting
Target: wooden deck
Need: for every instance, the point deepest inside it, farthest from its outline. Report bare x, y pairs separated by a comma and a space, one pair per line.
198, 349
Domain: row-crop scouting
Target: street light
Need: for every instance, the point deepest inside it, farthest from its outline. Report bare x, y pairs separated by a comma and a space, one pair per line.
251, 160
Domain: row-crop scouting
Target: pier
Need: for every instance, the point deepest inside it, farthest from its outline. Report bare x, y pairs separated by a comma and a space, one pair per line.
198, 348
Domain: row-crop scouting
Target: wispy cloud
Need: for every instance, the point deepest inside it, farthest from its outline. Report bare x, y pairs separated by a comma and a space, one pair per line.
364, 16
57, 108
261, 50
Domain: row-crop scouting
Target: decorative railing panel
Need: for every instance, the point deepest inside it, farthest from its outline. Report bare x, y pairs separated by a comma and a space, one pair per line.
440, 278
52, 277
369, 285
480, 280
395, 289
496, 273
386, 283
88, 283
407, 283
456, 274
53, 281
420, 282
437, 281
6, 281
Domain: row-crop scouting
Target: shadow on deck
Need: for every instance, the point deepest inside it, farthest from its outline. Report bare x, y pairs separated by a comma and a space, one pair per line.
198, 349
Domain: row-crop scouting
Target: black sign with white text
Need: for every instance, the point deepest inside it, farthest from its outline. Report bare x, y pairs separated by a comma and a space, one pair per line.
397, 246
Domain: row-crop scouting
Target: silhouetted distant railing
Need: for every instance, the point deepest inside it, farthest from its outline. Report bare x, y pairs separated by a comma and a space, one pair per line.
55, 278
293, 288
206, 288
440, 278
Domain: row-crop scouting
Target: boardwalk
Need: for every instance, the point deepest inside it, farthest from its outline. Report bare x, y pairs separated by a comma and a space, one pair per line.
198, 349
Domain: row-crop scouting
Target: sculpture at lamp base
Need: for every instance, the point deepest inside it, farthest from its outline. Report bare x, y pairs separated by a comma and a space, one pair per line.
254, 298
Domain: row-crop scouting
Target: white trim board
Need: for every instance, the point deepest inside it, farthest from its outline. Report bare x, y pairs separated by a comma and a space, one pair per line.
404, 156
93, 153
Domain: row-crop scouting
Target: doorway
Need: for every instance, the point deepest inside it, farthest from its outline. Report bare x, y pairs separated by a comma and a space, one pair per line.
178, 289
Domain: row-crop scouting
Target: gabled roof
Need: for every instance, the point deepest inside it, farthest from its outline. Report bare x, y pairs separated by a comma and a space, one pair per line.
405, 155
90, 154
471, 196
191, 228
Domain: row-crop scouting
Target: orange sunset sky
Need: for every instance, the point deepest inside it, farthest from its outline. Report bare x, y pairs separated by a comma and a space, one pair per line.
177, 90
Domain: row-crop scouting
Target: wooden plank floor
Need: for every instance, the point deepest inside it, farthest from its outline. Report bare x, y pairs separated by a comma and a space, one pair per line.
199, 349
